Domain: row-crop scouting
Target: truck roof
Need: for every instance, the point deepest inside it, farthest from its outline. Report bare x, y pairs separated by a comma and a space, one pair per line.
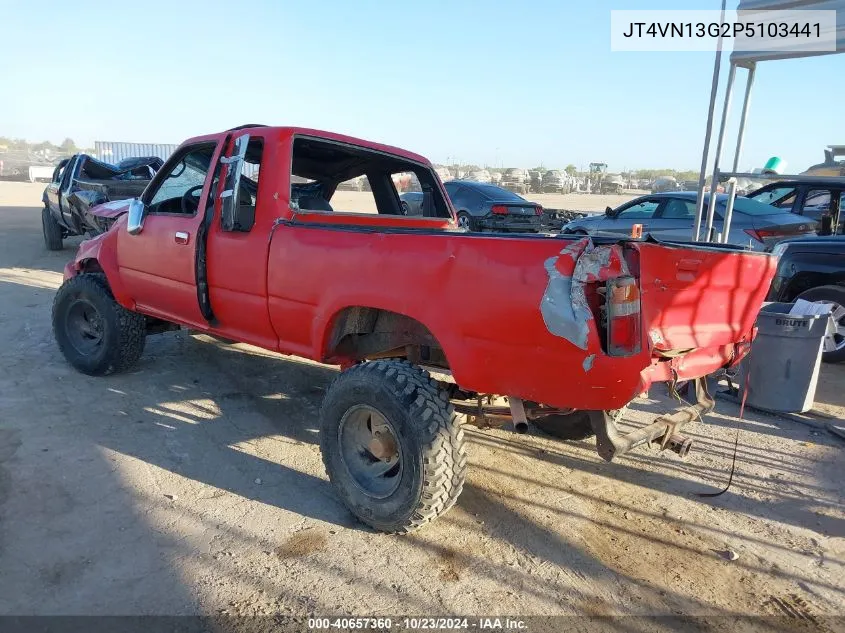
284, 132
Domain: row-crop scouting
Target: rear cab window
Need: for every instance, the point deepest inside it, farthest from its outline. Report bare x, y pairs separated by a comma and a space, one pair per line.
780, 197
339, 178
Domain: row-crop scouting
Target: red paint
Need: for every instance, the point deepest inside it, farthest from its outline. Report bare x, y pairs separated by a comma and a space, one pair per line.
281, 286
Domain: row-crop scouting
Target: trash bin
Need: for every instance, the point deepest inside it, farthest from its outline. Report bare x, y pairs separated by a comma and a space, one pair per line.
783, 365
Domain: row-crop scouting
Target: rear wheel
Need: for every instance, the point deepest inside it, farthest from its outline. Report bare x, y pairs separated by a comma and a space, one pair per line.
95, 334
465, 221
52, 230
834, 345
392, 445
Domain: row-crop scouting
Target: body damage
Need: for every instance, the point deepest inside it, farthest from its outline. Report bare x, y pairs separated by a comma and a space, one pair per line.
565, 309
81, 183
497, 306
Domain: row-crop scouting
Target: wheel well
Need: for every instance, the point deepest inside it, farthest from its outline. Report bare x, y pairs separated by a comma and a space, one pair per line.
90, 265
803, 282
360, 332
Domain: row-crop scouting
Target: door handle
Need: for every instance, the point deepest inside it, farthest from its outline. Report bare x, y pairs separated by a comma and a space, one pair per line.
181, 237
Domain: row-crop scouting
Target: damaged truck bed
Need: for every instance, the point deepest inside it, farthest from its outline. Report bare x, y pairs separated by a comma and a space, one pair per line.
558, 330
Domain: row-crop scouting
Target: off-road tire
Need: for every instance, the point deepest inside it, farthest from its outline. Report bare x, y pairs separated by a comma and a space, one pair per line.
52, 231
123, 331
573, 426
830, 294
429, 438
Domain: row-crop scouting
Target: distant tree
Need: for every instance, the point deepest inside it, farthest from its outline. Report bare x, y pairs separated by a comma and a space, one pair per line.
570, 169
68, 146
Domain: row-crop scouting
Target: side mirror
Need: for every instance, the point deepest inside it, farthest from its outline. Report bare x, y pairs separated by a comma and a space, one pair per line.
608, 211
137, 213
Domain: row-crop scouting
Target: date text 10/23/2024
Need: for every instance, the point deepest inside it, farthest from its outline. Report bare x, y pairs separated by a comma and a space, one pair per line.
418, 624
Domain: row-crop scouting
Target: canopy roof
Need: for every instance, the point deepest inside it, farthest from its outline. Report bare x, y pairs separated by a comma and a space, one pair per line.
746, 58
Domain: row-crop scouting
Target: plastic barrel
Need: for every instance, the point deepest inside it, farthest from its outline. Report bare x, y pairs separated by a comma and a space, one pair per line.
782, 368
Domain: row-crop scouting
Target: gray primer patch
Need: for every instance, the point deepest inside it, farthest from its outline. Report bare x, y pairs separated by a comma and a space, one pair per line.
559, 315
588, 362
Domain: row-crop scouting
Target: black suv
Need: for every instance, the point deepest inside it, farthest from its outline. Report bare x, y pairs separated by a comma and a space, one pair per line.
807, 197
813, 268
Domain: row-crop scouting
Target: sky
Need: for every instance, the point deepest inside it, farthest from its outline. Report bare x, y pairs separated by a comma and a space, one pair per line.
517, 83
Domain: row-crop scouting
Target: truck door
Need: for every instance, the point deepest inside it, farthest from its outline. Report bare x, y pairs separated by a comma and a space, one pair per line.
51, 193
158, 264
237, 243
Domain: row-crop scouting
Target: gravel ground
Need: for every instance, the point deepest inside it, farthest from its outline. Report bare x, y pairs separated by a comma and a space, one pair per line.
194, 485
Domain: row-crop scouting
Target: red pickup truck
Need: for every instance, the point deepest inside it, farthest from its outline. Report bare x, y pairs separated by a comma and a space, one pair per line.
251, 235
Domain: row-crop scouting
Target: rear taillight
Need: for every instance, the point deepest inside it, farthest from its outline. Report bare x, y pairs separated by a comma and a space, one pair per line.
499, 209
762, 235
538, 210
623, 317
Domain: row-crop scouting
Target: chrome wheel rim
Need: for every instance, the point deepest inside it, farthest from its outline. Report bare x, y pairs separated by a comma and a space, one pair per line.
836, 341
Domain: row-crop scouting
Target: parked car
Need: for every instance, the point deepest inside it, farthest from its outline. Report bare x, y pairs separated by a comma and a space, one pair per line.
556, 181
671, 216
482, 206
811, 198
813, 268
664, 183
270, 263
535, 181
411, 202
611, 184
81, 182
479, 175
516, 180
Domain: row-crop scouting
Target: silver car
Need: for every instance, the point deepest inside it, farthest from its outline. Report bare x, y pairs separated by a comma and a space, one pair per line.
671, 216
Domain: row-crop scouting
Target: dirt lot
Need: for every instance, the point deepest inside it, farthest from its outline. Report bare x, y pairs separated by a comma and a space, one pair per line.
194, 484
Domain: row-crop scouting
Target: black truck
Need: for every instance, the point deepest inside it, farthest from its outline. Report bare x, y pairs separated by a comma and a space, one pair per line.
813, 268
82, 182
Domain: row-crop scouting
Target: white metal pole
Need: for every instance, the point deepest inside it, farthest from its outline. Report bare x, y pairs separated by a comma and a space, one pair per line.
714, 88
714, 181
729, 209
744, 116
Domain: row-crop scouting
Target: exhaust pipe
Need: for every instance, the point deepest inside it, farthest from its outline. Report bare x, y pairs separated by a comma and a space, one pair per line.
520, 422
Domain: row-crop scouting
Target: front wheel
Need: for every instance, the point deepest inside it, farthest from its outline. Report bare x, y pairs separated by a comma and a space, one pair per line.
834, 344
392, 445
52, 230
95, 334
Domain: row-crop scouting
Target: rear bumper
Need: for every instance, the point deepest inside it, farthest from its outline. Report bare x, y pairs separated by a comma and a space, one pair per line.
697, 363
509, 224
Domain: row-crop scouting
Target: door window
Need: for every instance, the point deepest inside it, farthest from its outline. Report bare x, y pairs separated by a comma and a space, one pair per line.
641, 211
818, 200
678, 210
180, 188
